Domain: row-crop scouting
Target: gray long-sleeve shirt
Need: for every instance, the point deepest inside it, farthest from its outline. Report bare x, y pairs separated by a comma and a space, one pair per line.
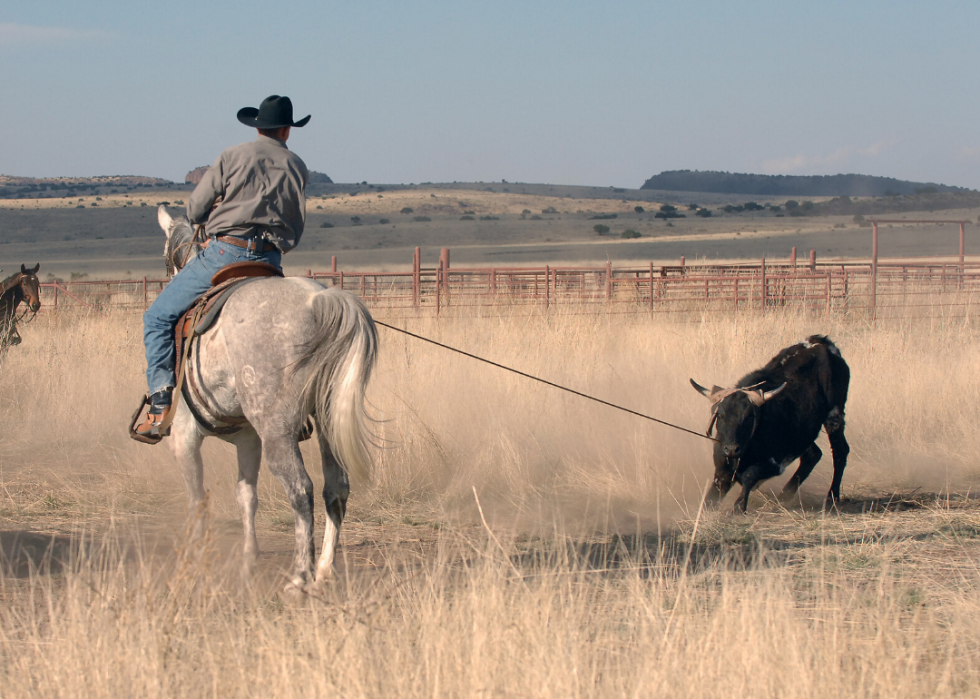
256, 188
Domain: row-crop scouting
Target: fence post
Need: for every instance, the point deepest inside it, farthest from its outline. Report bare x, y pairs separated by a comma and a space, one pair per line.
547, 286
874, 270
651, 289
608, 281
792, 257
341, 281
144, 292
962, 251
764, 289
417, 277
55, 301
439, 288
493, 281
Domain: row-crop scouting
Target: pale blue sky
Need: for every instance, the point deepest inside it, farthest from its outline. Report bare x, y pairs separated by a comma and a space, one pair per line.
562, 92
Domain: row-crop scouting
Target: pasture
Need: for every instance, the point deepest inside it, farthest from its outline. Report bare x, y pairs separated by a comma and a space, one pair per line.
119, 238
517, 541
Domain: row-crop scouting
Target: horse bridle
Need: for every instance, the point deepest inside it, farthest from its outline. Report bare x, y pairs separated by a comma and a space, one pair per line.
172, 250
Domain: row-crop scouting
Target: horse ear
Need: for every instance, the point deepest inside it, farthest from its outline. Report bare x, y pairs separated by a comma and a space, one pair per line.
36, 268
164, 219
23, 269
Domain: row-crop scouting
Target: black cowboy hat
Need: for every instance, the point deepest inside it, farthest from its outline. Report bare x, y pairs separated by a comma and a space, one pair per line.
274, 113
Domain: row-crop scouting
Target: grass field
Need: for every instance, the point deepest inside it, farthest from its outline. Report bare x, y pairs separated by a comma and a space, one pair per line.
517, 541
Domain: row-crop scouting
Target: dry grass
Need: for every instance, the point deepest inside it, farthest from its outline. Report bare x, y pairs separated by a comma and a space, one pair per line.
589, 577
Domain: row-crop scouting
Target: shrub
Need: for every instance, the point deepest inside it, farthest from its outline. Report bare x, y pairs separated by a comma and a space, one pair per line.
318, 206
693, 207
470, 213
526, 212
489, 218
467, 218
326, 224
142, 203
668, 208
355, 219
791, 204
407, 210
703, 213
535, 217
80, 206
752, 206
858, 218
600, 229
638, 209
384, 221
549, 210
630, 233
422, 219
602, 217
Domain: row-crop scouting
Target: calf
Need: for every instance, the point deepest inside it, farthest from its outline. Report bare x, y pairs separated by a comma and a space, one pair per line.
772, 417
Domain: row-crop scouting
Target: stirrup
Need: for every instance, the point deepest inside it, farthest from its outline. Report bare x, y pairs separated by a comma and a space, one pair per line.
154, 435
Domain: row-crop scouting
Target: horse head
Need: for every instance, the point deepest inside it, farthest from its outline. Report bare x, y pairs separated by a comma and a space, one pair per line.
183, 241
31, 286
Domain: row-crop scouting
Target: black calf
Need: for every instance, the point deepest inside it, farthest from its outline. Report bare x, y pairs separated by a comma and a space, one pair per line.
772, 417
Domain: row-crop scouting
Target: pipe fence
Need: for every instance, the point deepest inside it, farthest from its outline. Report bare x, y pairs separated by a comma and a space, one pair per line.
877, 289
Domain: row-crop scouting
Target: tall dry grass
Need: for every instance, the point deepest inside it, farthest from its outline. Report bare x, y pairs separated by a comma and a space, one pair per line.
518, 541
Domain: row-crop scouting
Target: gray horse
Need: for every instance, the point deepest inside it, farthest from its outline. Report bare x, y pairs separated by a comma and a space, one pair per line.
282, 350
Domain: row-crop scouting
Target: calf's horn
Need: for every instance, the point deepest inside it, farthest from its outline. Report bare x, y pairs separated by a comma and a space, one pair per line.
760, 397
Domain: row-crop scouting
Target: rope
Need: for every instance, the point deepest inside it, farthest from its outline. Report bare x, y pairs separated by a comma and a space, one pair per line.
548, 383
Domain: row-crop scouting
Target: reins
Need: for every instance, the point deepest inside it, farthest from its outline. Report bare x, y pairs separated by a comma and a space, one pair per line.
547, 383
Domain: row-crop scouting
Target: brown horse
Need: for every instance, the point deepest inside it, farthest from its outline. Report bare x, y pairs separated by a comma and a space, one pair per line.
22, 286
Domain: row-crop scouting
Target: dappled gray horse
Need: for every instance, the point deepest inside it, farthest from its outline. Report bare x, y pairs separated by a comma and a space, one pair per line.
281, 350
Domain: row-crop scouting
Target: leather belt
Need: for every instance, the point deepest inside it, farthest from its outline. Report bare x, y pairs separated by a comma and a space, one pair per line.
250, 244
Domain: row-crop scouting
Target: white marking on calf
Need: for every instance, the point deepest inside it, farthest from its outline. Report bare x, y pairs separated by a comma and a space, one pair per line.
781, 466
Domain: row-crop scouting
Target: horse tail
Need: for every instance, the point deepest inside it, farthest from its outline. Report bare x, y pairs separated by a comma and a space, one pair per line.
340, 357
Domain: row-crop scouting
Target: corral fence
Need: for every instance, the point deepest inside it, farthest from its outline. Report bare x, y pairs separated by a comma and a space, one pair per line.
874, 289
869, 289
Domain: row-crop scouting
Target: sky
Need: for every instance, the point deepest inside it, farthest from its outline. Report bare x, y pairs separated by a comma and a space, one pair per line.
588, 93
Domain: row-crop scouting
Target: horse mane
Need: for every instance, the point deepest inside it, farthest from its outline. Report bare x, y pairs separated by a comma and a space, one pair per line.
10, 282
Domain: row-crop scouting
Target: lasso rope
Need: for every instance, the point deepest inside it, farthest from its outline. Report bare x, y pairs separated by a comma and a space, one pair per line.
548, 383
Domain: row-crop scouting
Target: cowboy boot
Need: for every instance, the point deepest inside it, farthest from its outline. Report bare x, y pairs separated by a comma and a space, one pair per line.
150, 430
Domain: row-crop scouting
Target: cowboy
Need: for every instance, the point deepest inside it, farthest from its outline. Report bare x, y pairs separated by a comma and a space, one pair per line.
252, 202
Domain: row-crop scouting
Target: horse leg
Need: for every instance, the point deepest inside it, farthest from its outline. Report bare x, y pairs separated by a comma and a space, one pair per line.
281, 452
185, 443
336, 489
249, 448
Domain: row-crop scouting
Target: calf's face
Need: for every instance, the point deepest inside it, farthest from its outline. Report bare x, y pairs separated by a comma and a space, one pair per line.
735, 418
734, 415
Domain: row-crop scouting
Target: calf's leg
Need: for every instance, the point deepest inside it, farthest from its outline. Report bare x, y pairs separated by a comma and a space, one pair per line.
840, 449
808, 460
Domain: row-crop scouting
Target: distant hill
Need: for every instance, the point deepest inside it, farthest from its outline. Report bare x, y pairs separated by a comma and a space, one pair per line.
195, 175
790, 185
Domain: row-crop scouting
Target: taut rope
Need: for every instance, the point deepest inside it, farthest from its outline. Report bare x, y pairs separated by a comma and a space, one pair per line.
548, 383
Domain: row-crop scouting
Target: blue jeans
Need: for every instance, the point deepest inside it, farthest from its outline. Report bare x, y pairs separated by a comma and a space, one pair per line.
161, 318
